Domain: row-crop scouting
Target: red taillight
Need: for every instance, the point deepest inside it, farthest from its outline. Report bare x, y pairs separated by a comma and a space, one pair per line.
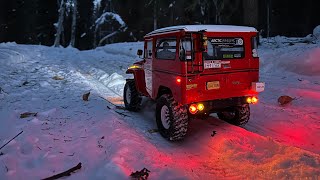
193, 109
178, 80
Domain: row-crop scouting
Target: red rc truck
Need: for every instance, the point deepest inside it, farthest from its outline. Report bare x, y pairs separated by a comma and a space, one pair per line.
195, 70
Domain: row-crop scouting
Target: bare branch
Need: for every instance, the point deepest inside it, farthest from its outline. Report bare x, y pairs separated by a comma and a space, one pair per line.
11, 140
65, 173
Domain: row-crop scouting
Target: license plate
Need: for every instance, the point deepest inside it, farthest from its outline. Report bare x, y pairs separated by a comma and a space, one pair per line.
212, 64
213, 85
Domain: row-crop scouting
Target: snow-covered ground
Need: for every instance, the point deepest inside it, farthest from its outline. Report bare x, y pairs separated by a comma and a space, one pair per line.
278, 142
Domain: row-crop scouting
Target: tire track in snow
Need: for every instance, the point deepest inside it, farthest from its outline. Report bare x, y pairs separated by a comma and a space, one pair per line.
198, 156
6, 52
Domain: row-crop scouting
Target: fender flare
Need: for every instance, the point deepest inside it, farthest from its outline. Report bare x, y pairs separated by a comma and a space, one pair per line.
139, 79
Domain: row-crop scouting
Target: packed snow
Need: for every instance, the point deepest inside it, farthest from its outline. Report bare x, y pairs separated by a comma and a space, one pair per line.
279, 142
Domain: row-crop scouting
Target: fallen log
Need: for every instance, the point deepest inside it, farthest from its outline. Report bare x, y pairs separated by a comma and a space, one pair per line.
65, 173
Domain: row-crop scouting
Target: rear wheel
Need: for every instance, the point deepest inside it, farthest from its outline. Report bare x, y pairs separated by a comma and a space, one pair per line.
131, 97
238, 115
172, 118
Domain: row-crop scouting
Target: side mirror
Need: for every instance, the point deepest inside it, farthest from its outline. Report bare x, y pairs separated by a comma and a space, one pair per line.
139, 52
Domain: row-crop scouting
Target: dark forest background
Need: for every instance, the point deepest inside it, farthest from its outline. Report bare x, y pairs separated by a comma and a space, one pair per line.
33, 21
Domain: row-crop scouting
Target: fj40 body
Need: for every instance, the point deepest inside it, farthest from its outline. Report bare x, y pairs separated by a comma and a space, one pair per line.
196, 70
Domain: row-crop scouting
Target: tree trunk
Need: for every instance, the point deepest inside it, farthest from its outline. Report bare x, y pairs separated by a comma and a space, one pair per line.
74, 23
107, 37
155, 14
250, 12
268, 18
59, 25
219, 5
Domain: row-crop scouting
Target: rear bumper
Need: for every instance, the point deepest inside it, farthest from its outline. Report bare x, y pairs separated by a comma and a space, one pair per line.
220, 104
222, 86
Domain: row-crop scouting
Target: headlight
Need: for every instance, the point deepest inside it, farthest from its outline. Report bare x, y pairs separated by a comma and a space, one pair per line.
135, 66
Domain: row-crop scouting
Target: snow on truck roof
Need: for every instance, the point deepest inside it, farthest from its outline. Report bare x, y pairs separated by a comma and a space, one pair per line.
208, 28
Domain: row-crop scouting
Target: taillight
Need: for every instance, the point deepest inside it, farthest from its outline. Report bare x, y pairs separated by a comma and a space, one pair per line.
255, 53
178, 80
249, 100
254, 46
252, 100
200, 107
193, 109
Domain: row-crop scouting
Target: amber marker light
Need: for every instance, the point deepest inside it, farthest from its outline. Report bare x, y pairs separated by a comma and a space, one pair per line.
193, 109
200, 107
249, 100
254, 100
135, 66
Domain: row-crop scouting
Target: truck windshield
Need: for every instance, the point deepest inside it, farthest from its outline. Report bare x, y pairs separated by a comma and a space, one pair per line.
224, 48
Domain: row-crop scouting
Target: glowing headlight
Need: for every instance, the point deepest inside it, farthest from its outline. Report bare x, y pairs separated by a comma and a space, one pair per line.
135, 66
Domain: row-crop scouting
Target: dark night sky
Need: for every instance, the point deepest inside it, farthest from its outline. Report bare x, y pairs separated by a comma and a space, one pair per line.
31, 21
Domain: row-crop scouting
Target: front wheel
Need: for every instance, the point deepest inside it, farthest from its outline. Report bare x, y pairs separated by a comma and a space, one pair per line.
131, 97
238, 115
172, 118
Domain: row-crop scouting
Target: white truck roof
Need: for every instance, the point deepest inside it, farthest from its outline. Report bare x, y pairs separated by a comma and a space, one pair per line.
208, 28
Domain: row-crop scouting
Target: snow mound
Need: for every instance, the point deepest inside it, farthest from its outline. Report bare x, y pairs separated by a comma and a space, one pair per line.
115, 82
316, 32
111, 142
305, 64
128, 49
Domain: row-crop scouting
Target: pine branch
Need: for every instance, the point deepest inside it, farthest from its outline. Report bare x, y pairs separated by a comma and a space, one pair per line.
65, 173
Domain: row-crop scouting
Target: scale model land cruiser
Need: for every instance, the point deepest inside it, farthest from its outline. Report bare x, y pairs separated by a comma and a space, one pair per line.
195, 70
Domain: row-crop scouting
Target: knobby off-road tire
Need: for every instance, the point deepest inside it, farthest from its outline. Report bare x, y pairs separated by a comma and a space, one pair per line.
238, 115
131, 97
172, 118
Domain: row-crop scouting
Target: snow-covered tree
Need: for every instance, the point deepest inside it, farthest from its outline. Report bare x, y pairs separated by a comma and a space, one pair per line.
105, 18
66, 7
59, 24
107, 23
74, 23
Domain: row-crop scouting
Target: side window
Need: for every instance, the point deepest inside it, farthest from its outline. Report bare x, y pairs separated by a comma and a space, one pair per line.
148, 51
166, 49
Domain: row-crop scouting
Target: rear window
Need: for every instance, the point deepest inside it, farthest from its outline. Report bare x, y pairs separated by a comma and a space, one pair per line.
224, 48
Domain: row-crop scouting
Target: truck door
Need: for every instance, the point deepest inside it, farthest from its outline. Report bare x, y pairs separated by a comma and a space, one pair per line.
148, 65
